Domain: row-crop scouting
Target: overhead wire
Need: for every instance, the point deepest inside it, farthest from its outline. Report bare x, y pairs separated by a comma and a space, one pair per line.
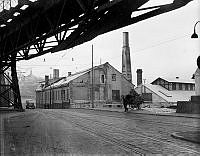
156, 45
143, 49
161, 43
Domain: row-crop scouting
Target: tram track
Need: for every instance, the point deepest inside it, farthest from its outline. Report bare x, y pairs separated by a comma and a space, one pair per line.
105, 136
149, 120
158, 126
159, 132
95, 127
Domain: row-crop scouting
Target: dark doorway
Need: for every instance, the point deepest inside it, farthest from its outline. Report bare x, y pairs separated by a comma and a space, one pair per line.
116, 95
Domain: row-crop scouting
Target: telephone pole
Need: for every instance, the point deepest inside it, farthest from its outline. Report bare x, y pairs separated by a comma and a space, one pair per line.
92, 90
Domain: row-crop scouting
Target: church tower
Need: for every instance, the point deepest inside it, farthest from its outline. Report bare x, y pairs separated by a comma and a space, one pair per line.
126, 59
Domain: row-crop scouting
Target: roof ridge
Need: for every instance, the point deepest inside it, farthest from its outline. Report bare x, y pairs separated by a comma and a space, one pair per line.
172, 79
85, 70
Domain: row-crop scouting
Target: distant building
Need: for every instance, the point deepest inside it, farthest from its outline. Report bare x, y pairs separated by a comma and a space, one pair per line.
175, 84
164, 92
109, 84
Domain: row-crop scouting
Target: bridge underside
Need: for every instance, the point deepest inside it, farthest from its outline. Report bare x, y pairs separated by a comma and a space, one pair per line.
55, 25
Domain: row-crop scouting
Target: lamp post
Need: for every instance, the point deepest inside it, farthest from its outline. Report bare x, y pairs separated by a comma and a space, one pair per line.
192, 106
197, 73
194, 35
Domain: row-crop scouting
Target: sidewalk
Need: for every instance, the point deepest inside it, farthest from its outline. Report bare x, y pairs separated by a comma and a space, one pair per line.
146, 111
10, 110
150, 111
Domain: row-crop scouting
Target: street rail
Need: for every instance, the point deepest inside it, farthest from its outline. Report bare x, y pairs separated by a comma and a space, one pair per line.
96, 127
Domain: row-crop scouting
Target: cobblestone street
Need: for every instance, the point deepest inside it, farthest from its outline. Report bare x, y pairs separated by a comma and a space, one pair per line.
83, 132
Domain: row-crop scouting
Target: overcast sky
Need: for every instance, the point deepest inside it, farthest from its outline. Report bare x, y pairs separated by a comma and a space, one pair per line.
161, 46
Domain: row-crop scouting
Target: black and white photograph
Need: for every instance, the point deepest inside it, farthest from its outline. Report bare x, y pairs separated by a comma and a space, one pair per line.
99, 77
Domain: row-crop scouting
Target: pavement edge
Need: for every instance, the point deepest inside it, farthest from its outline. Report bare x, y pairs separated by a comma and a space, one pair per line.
177, 136
149, 113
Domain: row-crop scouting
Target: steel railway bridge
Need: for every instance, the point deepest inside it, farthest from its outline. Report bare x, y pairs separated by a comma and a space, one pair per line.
31, 28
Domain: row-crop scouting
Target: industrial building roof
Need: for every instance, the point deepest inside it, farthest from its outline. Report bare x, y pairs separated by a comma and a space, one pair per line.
176, 80
170, 96
66, 80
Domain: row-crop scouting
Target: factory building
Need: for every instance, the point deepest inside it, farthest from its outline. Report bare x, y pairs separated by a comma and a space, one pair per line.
81, 89
75, 90
165, 92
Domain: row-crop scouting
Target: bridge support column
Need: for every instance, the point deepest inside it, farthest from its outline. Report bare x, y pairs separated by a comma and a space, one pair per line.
15, 85
4, 94
9, 87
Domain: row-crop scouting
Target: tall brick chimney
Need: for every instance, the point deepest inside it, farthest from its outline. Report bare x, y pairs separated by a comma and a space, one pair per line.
139, 76
69, 73
46, 80
126, 59
55, 73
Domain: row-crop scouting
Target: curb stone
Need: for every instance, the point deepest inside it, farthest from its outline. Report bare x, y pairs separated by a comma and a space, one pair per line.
178, 136
156, 114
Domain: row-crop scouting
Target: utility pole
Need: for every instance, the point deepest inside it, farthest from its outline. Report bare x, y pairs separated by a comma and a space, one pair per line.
50, 106
92, 90
3, 5
144, 85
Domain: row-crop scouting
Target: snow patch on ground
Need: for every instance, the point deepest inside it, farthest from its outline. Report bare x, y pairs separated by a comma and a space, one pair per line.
160, 110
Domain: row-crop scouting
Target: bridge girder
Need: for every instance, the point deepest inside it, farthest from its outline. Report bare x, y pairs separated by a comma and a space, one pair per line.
54, 22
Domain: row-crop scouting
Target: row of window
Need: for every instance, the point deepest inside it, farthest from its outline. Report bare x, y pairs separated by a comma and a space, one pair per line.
180, 86
55, 95
175, 86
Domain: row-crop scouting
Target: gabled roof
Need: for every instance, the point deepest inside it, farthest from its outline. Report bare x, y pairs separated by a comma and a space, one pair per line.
170, 96
176, 80
51, 82
120, 74
66, 80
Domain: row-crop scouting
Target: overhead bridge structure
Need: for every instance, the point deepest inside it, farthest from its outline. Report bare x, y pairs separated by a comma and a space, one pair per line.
31, 28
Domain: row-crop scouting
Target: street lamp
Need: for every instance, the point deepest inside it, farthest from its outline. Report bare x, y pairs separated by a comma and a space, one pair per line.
194, 105
194, 35
197, 73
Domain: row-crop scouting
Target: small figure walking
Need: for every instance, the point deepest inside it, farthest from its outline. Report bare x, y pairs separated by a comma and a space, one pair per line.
124, 101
